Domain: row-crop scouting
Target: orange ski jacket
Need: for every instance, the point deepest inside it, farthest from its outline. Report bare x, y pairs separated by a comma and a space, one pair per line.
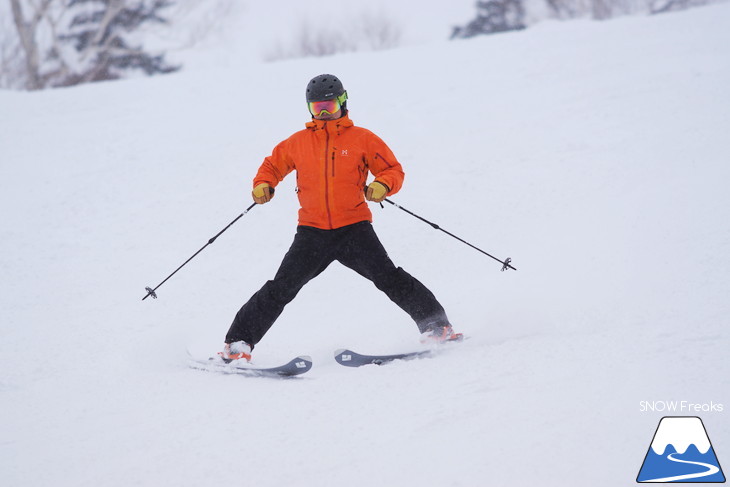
332, 159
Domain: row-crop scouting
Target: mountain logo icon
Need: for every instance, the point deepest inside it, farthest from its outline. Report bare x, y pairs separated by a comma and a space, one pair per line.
680, 452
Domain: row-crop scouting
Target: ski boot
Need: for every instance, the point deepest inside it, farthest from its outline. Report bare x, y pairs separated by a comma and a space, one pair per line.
441, 334
239, 350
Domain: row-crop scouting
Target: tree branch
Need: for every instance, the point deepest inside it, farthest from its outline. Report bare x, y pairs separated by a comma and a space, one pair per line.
26, 33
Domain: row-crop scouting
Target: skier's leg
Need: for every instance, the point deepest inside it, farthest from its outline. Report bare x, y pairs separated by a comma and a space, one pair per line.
362, 252
307, 257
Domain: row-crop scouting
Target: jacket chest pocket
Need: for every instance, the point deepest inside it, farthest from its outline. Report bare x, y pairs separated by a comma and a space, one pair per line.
346, 165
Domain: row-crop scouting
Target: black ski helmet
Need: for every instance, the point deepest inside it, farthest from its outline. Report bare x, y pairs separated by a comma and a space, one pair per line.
324, 87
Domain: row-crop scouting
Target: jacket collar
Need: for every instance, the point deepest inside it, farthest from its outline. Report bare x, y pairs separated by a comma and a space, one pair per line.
342, 122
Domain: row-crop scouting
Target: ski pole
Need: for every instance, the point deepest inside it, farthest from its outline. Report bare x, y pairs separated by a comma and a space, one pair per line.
151, 292
505, 263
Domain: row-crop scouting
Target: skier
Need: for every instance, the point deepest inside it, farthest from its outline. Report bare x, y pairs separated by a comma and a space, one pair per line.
332, 158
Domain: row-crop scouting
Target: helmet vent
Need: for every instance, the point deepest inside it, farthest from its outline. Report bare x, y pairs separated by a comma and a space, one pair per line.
324, 87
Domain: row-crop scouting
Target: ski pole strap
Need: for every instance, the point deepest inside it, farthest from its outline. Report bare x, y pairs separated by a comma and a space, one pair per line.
506, 264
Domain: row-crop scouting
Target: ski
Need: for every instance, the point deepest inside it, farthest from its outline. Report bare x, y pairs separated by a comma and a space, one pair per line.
296, 366
348, 358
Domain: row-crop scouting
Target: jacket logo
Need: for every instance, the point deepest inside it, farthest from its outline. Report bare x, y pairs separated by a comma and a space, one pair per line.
344, 152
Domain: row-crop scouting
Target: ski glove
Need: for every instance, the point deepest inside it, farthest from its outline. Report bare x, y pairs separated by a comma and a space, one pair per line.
376, 192
262, 193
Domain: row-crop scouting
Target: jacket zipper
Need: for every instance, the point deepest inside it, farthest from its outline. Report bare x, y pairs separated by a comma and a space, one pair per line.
326, 178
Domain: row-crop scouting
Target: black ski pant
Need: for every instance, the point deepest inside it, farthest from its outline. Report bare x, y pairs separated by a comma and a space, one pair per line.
355, 246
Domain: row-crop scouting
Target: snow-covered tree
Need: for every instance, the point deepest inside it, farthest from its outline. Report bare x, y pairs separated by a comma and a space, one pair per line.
103, 34
662, 6
29, 18
493, 16
67, 42
368, 31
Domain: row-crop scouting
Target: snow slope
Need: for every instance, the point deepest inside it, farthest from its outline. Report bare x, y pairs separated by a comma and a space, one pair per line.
593, 154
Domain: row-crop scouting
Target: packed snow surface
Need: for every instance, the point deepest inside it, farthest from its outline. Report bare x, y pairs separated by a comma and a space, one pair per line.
595, 155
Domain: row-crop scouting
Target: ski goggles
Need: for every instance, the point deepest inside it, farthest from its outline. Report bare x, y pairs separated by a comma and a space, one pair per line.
328, 107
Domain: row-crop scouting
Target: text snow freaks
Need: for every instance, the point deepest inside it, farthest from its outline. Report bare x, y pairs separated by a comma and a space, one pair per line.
679, 407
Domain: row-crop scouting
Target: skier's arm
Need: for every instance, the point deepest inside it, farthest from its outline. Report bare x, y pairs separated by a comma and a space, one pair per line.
385, 167
273, 170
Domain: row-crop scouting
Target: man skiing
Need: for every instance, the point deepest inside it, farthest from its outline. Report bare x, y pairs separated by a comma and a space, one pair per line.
332, 158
